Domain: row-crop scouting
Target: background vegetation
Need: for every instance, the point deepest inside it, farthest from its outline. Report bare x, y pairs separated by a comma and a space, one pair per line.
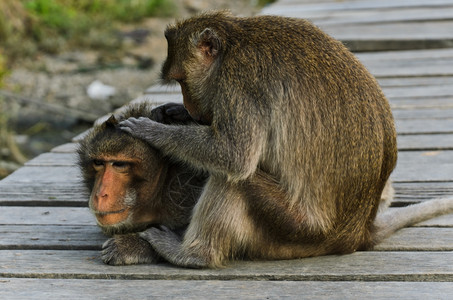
51, 50
29, 28
52, 26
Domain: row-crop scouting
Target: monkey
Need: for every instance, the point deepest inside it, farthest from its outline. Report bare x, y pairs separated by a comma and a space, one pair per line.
296, 135
133, 186
126, 247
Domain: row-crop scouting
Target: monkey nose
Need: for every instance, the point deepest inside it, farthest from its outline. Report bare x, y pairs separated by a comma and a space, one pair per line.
101, 194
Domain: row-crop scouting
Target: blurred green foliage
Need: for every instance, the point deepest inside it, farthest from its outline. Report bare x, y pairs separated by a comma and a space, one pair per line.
3, 69
51, 26
263, 3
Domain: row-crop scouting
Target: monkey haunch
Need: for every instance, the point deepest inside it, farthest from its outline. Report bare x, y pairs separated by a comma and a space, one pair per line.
133, 186
299, 146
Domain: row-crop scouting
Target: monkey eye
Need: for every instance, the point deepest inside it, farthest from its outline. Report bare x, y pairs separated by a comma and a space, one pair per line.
98, 164
121, 165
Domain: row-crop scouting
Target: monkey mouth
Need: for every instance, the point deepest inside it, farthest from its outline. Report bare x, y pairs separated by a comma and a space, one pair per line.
105, 213
112, 217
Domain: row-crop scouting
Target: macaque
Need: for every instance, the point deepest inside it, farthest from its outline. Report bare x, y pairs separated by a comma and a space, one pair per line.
296, 135
133, 186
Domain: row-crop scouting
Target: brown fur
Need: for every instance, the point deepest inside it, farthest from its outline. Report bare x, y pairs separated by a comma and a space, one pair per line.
299, 141
134, 187
282, 99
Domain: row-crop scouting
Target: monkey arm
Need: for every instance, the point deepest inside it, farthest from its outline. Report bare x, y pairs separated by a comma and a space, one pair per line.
231, 152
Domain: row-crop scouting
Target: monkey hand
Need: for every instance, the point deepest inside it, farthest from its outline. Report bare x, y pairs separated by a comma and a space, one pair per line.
169, 246
171, 113
128, 249
143, 128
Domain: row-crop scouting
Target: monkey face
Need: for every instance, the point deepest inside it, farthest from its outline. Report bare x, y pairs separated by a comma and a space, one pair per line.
124, 176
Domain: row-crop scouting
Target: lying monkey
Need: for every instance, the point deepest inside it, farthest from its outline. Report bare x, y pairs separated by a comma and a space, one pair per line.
134, 187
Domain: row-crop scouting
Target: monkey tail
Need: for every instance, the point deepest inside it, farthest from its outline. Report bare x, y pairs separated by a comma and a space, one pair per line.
390, 221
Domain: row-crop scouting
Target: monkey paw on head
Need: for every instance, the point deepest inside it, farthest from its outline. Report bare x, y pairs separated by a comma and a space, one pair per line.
142, 128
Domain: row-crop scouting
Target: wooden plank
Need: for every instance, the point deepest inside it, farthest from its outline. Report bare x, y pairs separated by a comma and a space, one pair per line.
363, 266
44, 186
392, 36
419, 239
411, 192
418, 114
410, 68
71, 237
51, 237
421, 103
22, 215
54, 159
332, 5
406, 56
51, 175
375, 16
424, 166
395, 28
408, 82
13, 288
43, 194
425, 142
425, 92
65, 148
424, 126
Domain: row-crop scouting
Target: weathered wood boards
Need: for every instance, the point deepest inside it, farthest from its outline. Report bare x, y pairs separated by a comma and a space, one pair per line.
374, 25
49, 240
360, 266
13, 288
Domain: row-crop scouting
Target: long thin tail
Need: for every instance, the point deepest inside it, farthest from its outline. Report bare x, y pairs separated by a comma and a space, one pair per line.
390, 221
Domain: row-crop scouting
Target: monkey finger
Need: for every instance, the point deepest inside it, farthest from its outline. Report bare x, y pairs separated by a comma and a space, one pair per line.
108, 253
126, 129
128, 125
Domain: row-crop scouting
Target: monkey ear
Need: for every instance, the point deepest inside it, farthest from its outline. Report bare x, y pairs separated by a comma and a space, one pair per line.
209, 43
111, 122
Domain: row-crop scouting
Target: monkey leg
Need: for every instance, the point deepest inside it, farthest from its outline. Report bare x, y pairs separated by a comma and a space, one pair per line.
219, 230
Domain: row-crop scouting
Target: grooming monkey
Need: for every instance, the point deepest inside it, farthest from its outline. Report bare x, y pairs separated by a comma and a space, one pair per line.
115, 166
299, 142
133, 186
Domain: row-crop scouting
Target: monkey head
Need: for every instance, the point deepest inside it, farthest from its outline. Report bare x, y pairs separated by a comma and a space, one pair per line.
194, 50
131, 185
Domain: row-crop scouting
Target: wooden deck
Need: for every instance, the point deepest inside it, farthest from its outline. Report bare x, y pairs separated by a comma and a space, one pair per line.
49, 243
